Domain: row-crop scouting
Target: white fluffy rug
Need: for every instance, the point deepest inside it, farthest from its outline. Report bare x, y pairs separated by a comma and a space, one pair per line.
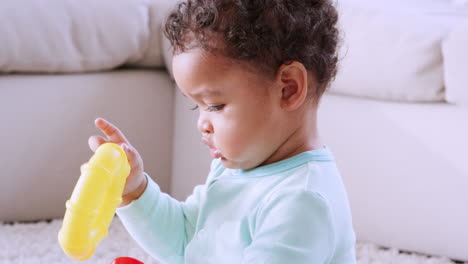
37, 244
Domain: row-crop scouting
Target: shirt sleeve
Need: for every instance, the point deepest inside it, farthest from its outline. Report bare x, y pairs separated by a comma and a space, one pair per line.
292, 228
161, 225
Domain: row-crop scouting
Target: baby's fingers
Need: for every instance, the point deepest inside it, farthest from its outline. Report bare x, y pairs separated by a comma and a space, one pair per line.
111, 131
95, 141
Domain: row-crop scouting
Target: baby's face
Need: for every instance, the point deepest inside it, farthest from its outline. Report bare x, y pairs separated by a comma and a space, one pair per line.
238, 108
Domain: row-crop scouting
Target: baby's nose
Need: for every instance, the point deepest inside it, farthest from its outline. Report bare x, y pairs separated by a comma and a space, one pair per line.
205, 126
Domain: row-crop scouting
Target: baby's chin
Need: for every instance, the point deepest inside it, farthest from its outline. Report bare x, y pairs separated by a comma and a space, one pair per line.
229, 163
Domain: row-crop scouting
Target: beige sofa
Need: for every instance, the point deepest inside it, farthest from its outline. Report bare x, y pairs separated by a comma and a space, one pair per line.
404, 163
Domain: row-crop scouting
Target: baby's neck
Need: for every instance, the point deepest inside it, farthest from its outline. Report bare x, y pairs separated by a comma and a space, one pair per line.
303, 138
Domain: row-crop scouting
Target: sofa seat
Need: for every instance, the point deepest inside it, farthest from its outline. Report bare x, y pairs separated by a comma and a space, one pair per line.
405, 167
46, 121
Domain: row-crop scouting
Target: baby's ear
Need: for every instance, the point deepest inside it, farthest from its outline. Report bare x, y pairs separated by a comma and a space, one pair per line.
292, 81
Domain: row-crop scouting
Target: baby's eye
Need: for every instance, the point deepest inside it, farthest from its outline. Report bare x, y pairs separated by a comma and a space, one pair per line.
195, 108
215, 108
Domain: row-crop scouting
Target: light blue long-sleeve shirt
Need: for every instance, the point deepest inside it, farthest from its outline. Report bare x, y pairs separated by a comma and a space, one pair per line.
292, 211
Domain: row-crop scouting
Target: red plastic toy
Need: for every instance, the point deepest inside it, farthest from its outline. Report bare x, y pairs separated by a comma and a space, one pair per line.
126, 260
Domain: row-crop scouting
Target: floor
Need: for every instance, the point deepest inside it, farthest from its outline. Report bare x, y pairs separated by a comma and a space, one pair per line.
36, 243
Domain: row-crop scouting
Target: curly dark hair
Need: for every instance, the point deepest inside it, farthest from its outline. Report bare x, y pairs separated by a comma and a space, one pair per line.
265, 33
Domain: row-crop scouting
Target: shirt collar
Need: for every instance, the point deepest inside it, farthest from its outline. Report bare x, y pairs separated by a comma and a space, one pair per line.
319, 155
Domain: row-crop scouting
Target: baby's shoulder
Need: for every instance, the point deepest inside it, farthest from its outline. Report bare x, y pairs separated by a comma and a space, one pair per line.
298, 185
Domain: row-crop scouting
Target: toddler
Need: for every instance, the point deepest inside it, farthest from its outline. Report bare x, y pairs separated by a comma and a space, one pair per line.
256, 70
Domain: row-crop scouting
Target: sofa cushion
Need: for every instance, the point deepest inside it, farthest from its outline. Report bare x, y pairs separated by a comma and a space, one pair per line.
456, 66
393, 52
78, 36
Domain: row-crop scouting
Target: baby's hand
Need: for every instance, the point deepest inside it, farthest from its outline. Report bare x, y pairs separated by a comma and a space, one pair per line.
136, 181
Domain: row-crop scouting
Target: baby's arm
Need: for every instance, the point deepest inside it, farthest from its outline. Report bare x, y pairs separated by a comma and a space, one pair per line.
160, 224
292, 228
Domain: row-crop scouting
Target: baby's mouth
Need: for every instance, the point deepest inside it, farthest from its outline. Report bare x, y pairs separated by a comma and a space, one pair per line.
214, 152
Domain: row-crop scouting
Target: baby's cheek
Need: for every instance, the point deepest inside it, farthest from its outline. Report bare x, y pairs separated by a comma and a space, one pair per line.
235, 142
